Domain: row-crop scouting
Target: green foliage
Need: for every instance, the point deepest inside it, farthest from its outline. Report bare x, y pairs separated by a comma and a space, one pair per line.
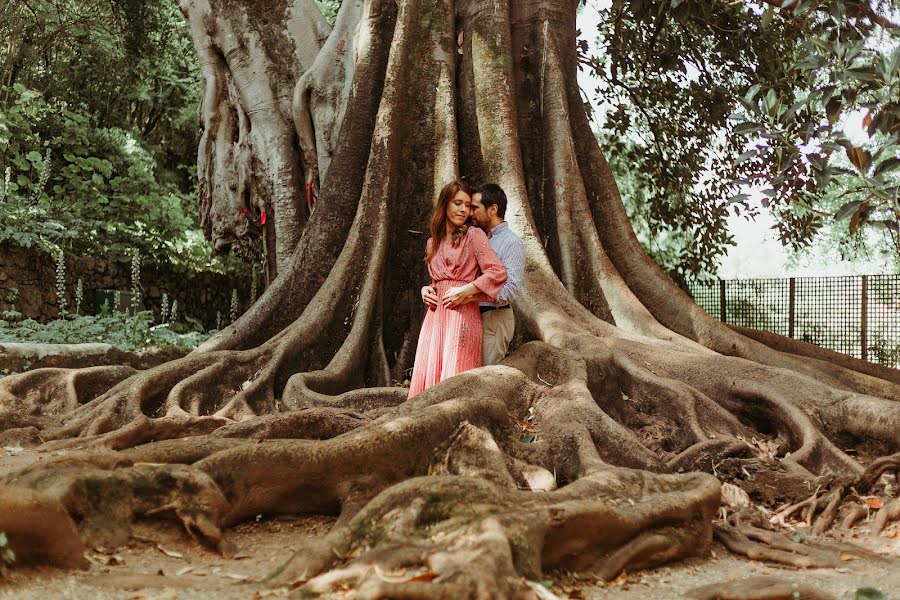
127, 64
703, 100
329, 9
797, 127
133, 333
874, 244
7, 556
72, 183
670, 248
102, 158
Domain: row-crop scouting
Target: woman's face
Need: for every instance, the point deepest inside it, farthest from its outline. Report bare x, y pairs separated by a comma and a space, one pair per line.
459, 209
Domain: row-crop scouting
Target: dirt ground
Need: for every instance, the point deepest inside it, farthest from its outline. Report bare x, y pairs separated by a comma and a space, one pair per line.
166, 564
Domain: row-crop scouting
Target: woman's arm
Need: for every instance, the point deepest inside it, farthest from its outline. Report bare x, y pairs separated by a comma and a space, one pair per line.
487, 285
493, 273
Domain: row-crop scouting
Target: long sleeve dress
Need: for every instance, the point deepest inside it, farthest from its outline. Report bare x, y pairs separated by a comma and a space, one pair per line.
450, 340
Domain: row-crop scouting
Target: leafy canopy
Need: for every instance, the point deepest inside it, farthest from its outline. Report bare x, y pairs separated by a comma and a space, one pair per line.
707, 100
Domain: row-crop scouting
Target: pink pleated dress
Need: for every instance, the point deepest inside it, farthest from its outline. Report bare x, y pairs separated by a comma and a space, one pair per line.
450, 340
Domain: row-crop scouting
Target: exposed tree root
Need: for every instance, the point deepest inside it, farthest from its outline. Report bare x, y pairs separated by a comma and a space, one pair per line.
458, 528
39, 529
290, 409
890, 512
758, 588
854, 516
749, 533
875, 470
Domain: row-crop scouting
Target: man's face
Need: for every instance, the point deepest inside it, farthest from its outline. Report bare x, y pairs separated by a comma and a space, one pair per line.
480, 213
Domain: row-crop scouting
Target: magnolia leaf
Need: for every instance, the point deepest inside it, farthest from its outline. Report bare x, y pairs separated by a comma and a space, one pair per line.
869, 593
751, 93
860, 157
767, 17
892, 225
858, 218
833, 110
747, 128
886, 165
745, 157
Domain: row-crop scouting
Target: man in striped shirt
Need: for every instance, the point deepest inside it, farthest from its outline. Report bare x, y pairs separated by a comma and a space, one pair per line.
489, 210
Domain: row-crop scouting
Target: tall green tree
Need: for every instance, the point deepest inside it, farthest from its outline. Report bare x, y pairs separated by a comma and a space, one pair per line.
625, 389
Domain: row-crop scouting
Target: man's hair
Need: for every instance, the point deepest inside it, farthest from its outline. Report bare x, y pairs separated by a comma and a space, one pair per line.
492, 194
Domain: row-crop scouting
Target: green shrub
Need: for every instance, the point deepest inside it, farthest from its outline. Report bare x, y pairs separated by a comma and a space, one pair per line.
133, 333
71, 183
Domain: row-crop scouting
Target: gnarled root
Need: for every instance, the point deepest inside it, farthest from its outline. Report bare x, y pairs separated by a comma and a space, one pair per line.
39, 529
875, 470
469, 534
749, 533
758, 588
105, 499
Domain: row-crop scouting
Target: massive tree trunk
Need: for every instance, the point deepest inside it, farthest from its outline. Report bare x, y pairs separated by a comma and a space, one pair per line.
628, 384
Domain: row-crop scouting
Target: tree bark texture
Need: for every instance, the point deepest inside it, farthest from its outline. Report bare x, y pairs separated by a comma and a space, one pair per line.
343, 140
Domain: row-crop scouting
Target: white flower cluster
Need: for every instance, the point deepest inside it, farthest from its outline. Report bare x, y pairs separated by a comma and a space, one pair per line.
164, 308
61, 282
135, 281
43, 178
79, 295
7, 177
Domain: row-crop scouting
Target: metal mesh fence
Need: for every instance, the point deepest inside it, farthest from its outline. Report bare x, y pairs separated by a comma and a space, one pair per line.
858, 315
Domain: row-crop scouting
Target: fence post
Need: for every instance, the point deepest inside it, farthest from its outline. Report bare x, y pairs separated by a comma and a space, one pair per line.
864, 319
792, 304
723, 312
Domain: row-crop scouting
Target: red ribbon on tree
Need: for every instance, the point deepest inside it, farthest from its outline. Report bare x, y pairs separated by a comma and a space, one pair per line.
310, 195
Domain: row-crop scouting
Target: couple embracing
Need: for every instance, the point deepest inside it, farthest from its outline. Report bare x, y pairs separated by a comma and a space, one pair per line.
476, 264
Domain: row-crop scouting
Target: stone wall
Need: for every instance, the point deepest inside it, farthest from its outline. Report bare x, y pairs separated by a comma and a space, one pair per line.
32, 272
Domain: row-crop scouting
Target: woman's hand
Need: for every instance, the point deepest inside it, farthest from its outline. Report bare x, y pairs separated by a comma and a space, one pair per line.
429, 296
458, 295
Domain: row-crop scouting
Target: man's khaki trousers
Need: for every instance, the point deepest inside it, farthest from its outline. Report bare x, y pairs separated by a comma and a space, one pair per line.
499, 326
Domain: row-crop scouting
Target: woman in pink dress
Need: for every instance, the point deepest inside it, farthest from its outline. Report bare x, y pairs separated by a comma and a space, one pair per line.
464, 270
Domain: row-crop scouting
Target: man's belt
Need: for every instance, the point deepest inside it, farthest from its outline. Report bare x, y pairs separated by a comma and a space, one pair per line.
485, 309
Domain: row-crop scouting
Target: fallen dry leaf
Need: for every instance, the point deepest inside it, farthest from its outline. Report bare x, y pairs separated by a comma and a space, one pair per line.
874, 503
846, 556
525, 425
427, 576
621, 579
171, 553
734, 496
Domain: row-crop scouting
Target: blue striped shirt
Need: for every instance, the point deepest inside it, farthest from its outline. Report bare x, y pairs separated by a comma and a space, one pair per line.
511, 251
